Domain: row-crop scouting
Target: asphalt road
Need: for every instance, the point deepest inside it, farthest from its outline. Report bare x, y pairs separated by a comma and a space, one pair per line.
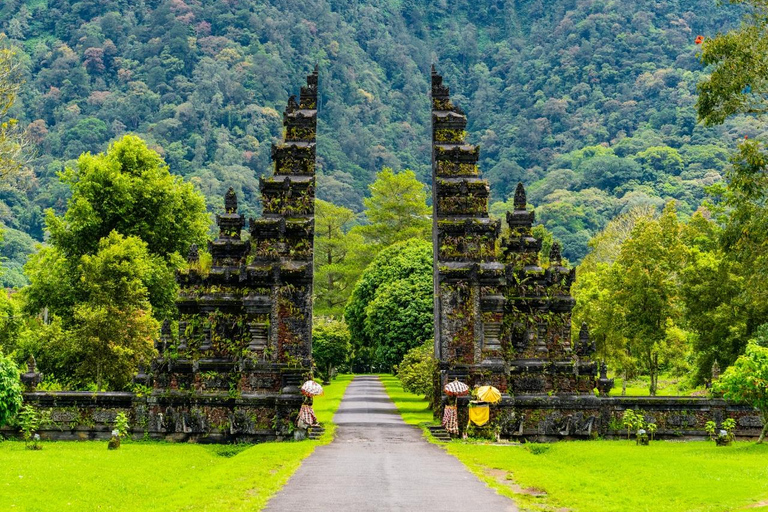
378, 463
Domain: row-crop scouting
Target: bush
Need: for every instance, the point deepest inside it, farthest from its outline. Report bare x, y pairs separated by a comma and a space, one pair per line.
330, 345
10, 389
390, 310
417, 371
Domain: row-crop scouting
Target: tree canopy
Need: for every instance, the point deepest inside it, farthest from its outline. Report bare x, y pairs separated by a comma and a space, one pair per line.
390, 310
107, 277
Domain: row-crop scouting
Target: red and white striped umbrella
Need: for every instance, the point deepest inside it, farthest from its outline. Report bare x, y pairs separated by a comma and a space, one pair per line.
311, 388
456, 388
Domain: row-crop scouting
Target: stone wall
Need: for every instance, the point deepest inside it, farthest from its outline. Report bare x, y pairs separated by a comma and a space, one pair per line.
552, 418
172, 416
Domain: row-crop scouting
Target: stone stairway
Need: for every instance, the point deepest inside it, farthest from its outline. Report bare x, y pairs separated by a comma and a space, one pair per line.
439, 433
315, 432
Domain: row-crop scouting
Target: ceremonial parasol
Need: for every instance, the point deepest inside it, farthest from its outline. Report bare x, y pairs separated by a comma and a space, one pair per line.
489, 394
311, 388
456, 388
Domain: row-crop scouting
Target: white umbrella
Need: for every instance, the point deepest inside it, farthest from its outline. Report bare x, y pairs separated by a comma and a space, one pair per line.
311, 388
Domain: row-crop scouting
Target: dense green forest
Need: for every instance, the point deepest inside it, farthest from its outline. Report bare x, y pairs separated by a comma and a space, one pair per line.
590, 103
594, 105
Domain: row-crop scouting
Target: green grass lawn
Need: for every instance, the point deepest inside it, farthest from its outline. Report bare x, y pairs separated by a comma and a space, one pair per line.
84, 476
667, 386
611, 476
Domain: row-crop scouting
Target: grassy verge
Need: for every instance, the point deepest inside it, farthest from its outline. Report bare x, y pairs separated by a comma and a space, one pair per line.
413, 408
611, 475
154, 476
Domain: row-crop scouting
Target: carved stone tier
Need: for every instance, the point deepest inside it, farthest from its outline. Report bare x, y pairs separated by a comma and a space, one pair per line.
294, 159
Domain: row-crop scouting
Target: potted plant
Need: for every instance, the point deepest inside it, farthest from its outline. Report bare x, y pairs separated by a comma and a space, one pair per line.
644, 432
724, 435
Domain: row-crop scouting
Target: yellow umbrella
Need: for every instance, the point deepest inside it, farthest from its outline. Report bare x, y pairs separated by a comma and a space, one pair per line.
489, 394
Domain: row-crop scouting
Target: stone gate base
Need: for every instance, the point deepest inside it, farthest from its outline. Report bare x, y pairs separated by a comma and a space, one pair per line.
552, 418
172, 416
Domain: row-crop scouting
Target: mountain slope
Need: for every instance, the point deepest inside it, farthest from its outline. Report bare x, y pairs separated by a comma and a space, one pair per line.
205, 82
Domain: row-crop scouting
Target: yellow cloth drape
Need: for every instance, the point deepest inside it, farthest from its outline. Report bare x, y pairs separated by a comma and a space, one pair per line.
479, 415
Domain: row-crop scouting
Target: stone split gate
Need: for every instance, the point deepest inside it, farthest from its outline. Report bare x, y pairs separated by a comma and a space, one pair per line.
232, 368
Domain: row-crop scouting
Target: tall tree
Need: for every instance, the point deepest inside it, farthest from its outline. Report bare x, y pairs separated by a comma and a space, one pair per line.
113, 327
627, 293
128, 190
330, 345
644, 283
340, 257
397, 209
391, 309
596, 304
108, 276
717, 305
738, 84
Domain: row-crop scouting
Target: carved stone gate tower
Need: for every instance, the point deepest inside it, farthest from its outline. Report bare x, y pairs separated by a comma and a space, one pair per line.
244, 339
500, 318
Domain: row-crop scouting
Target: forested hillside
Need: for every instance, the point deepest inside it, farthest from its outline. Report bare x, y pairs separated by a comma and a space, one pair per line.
589, 102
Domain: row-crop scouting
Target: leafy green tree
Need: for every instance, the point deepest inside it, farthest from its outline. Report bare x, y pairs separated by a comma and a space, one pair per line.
739, 60
54, 348
596, 304
113, 327
660, 160
330, 345
390, 310
10, 322
627, 293
10, 389
737, 85
609, 172
53, 287
644, 283
397, 209
128, 189
340, 257
717, 306
747, 381
399, 318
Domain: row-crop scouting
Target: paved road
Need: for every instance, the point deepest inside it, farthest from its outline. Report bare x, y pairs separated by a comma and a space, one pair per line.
378, 463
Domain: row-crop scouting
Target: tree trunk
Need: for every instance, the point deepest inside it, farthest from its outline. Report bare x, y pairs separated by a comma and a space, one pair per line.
654, 371
765, 428
624, 383
98, 377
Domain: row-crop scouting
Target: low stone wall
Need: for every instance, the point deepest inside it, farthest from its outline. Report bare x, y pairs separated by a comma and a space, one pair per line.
176, 416
552, 418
